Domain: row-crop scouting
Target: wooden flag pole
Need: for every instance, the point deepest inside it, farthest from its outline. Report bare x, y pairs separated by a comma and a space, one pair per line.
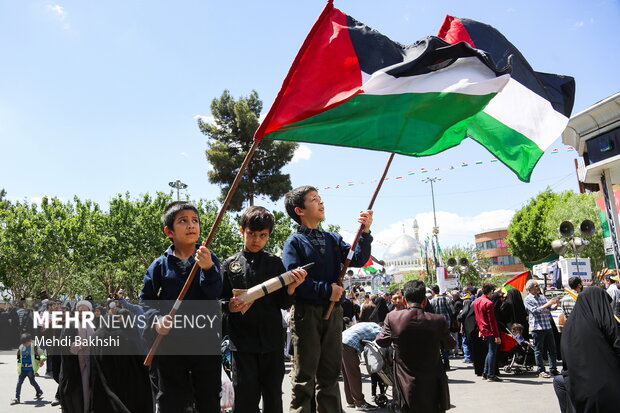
347, 262
206, 243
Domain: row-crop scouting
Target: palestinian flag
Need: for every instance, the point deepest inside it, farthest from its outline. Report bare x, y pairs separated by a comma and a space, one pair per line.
544, 101
518, 282
350, 85
368, 267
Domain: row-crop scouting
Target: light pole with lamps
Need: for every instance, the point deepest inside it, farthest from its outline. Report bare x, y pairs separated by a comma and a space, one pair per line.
178, 185
435, 228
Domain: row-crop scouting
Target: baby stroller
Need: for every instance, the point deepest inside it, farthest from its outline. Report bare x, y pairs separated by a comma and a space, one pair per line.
380, 360
227, 395
518, 358
226, 357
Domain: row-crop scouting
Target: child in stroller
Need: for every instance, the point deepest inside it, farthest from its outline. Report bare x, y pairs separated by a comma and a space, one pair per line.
519, 351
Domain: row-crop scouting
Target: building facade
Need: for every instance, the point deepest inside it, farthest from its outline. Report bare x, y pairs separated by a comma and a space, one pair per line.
492, 244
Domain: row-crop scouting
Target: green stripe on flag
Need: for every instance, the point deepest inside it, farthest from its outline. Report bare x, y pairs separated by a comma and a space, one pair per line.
407, 123
515, 150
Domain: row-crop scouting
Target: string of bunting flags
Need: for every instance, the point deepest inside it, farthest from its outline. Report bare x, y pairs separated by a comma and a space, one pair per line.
409, 173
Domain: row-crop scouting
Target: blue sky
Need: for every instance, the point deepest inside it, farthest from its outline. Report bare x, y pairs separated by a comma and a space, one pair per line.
100, 98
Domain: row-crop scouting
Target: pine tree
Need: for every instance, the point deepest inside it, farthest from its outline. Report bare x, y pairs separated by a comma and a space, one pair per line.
230, 138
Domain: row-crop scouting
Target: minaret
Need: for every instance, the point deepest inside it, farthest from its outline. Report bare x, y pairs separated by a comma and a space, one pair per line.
416, 229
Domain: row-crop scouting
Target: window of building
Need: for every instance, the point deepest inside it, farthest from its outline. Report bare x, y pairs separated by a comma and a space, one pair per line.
505, 260
495, 243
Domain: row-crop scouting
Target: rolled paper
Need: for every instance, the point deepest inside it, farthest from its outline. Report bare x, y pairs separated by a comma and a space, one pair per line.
269, 286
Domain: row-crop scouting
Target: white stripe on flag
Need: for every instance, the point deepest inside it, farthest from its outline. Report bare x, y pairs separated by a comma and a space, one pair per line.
467, 76
520, 109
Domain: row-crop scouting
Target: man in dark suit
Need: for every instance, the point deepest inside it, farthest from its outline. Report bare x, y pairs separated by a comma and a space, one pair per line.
417, 338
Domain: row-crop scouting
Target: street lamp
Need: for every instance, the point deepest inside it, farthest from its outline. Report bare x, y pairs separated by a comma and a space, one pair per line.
178, 185
432, 181
435, 228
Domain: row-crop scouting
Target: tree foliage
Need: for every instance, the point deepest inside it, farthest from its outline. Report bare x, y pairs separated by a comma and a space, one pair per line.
75, 248
229, 140
528, 237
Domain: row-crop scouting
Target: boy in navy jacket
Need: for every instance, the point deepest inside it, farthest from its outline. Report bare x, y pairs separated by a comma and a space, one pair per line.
182, 378
317, 343
255, 328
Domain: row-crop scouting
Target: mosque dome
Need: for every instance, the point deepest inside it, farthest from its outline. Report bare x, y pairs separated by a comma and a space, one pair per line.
403, 248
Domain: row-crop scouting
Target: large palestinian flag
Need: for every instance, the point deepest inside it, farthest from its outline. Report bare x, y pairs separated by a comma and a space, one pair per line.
532, 110
349, 85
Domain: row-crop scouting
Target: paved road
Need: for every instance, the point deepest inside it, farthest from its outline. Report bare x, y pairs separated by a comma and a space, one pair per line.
517, 394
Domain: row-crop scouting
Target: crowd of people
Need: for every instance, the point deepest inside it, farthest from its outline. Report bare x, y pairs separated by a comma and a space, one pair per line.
424, 328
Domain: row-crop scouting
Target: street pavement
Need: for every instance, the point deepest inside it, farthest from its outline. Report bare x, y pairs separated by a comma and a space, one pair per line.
468, 393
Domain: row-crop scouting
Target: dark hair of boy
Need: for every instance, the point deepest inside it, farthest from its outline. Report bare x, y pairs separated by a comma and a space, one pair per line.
415, 292
257, 218
487, 288
435, 289
26, 337
296, 199
573, 282
173, 208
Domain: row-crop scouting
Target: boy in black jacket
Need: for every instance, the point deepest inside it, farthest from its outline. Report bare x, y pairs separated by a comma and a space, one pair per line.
255, 328
317, 343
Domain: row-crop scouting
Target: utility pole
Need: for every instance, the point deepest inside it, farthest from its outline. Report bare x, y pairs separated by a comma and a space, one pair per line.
432, 181
178, 185
435, 228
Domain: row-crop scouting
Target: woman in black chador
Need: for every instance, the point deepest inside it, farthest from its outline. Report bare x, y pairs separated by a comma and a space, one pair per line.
591, 353
513, 311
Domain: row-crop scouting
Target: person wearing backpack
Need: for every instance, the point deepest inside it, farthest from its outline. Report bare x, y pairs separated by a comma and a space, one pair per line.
352, 345
29, 359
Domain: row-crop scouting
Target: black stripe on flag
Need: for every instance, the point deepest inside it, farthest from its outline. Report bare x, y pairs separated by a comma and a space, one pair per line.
558, 89
432, 53
374, 51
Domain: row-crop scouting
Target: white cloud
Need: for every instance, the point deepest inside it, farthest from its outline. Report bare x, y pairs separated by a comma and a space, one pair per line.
579, 24
453, 228
303, 152
60, 13
57, 9
205, 118
183, 154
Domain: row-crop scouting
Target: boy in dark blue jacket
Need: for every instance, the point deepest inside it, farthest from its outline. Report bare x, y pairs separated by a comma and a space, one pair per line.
317, 343
183, 377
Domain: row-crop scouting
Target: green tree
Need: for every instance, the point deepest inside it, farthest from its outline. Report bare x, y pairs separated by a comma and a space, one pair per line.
75, 248
577, 208
528, 237
229, 140
2, 194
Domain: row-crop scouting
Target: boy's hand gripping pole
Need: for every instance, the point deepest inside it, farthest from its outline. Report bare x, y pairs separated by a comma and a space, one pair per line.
328, 311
